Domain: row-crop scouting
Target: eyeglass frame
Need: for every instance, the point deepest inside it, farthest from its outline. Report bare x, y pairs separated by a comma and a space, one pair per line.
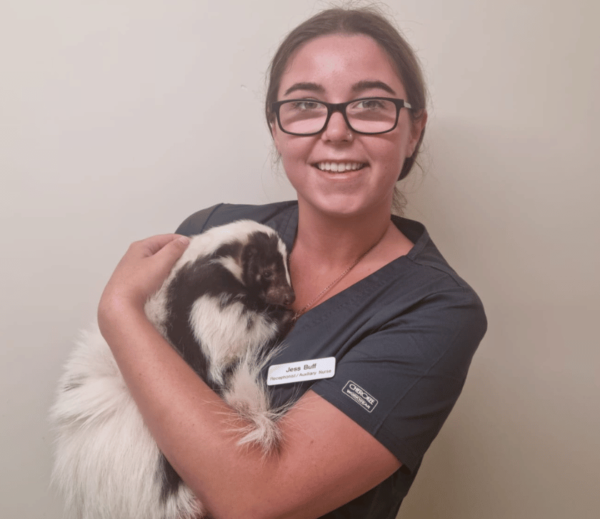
341, 108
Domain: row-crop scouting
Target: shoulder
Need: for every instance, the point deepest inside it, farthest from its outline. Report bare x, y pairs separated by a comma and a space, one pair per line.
425, 254
427, 270
281, 216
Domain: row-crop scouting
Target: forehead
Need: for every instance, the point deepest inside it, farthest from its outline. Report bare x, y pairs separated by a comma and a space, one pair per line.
338, 61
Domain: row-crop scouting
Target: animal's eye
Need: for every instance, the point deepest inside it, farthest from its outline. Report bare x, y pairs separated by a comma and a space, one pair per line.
267, 274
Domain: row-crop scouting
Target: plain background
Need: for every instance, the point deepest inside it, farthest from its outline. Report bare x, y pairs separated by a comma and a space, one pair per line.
118, 119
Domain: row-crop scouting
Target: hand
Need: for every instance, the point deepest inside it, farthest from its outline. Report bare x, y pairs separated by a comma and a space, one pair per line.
140, 273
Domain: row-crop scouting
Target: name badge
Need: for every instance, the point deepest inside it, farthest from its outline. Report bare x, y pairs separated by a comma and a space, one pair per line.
301, 371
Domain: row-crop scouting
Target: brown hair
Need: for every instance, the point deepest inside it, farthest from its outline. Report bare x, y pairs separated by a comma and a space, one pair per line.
367, 21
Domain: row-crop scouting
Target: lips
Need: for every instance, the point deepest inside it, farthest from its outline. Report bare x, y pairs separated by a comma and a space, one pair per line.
339, 167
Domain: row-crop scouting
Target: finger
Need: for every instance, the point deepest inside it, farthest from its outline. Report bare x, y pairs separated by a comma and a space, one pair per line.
171, 251
150, 246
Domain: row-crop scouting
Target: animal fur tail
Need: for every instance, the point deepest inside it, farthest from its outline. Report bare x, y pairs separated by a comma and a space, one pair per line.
250, 399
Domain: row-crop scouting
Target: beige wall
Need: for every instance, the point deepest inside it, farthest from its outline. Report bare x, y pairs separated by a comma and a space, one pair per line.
118, 119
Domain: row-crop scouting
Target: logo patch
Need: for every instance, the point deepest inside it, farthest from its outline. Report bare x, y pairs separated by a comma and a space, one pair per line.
360, 396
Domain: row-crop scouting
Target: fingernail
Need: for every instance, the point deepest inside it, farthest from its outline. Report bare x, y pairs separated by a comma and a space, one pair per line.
184, 240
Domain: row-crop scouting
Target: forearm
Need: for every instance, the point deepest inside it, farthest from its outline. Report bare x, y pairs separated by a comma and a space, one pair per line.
314, 472
193, 427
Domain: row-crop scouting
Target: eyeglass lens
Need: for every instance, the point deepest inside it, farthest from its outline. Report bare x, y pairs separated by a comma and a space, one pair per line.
365, 115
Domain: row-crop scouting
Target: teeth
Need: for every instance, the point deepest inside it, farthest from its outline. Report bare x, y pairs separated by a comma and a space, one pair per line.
339, 167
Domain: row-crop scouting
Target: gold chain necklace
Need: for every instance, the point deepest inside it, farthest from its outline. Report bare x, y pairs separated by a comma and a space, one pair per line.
308, 306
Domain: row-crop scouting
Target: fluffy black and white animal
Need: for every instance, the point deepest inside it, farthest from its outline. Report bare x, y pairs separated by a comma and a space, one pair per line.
223, 308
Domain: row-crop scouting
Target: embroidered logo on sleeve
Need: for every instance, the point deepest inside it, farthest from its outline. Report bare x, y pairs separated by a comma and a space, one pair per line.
360, 396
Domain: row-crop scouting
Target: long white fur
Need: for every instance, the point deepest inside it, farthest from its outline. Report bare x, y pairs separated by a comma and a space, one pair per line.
106, 460
222, 339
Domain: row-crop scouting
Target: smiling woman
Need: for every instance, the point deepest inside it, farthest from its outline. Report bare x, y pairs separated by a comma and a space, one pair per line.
340, 68
346, 109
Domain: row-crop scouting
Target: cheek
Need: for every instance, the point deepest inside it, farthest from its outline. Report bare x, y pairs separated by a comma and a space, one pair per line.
292, 170
294, 154
400, 148
390, 153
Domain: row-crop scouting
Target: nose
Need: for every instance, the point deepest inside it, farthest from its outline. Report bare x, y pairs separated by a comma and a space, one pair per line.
337, 129
282, 295
289, 298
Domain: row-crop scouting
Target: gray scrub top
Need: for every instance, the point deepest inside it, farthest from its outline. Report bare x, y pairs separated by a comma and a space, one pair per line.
403, 339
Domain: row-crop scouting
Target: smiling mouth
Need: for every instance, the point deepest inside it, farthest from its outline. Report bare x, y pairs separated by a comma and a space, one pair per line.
340, 167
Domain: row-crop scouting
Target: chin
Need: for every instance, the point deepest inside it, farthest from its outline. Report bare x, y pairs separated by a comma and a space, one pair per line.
344, 205
347, 210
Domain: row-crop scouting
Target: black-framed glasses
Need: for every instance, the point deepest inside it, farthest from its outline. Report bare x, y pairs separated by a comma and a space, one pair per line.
367, 115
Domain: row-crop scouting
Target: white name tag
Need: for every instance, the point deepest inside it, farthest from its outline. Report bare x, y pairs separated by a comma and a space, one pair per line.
300, 371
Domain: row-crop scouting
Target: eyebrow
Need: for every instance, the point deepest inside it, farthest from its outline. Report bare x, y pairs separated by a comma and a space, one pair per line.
367, 85
356, 88
311, 87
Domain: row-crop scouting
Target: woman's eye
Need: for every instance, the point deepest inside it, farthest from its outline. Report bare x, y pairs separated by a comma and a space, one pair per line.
369, 104
303, 106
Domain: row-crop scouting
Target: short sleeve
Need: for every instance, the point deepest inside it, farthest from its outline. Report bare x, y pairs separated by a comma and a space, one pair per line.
280, 216
401, 381
197, 222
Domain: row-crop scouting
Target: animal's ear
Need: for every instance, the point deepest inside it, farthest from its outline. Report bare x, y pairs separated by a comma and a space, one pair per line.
250, 252
250, 262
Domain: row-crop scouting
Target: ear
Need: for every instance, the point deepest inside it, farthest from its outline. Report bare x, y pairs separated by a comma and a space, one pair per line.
272, 126
416, 130
249, 253
275, 134
249, 263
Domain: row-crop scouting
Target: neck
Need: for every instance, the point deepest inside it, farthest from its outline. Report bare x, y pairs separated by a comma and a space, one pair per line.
332, 253
339, 239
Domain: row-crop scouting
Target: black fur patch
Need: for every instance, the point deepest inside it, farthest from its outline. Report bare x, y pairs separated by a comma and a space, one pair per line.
204, 276
170, 480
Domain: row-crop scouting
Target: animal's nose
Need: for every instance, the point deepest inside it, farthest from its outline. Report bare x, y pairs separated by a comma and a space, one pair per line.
289, 298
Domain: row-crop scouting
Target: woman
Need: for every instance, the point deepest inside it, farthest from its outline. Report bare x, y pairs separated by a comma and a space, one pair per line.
346, 109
